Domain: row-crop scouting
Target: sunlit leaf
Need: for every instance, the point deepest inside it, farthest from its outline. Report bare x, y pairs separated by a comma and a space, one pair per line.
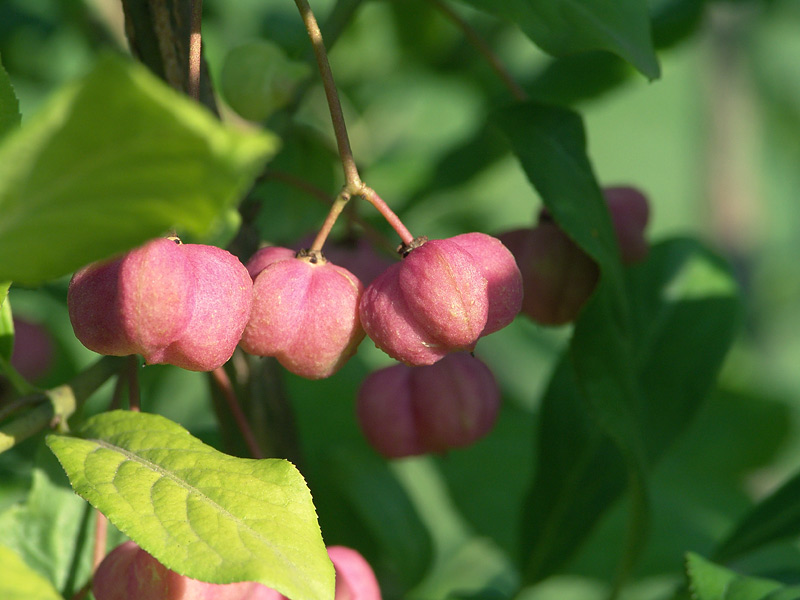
111, 161
20, 582
709, 581
201, 513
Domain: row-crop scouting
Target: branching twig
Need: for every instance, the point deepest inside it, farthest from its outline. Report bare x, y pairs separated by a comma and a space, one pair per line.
374, 235
134, 400
353, 185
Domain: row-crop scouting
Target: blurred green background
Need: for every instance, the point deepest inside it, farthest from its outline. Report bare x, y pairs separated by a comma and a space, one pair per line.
715, 143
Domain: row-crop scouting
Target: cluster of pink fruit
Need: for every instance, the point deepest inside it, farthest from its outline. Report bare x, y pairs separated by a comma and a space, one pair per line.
128, 572
190, 305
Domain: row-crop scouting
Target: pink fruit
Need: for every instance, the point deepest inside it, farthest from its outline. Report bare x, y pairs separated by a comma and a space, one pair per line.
265, 257
355, 579
305, 314
557, 275
180, 304
33, 349
630, 212
130, 573
503, 278
407, 411
433, 302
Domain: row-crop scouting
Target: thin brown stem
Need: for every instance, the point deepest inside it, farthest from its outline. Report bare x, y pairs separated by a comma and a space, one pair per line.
119, 389
195, 47
83, 592
134, 401
226, 387
481, 46
336, 209
351, 176
374, 235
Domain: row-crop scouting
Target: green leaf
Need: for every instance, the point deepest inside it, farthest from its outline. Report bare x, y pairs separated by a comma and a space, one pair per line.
579, 473
111, 161
20, 582
569, 26
9, 105
551, 145
686, 310
775, 518
201, 513
52, 530
709, 581
366, 485
665, 330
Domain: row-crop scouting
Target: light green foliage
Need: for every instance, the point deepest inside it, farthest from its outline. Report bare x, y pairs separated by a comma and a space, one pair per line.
113, 160
569, 26
51, 529
201, 513
6, 325
708, 581
20, 582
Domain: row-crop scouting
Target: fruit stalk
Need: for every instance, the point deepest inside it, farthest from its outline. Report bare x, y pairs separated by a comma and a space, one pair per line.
372, 197
220, 377
353, 185
337, 116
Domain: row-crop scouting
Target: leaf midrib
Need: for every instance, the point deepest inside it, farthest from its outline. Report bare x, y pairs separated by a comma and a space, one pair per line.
163, 472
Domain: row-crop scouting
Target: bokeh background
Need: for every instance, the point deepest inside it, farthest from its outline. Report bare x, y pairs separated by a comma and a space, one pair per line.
715, 143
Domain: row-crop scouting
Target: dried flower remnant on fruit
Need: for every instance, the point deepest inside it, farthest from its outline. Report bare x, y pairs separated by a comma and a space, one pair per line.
305, 312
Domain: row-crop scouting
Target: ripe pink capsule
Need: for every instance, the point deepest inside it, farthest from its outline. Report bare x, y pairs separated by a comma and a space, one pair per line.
130, 573
557, 275
180, 304
407, 411
355, 579
433, 302
265, 257
305, 314
504, 281
630, 212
